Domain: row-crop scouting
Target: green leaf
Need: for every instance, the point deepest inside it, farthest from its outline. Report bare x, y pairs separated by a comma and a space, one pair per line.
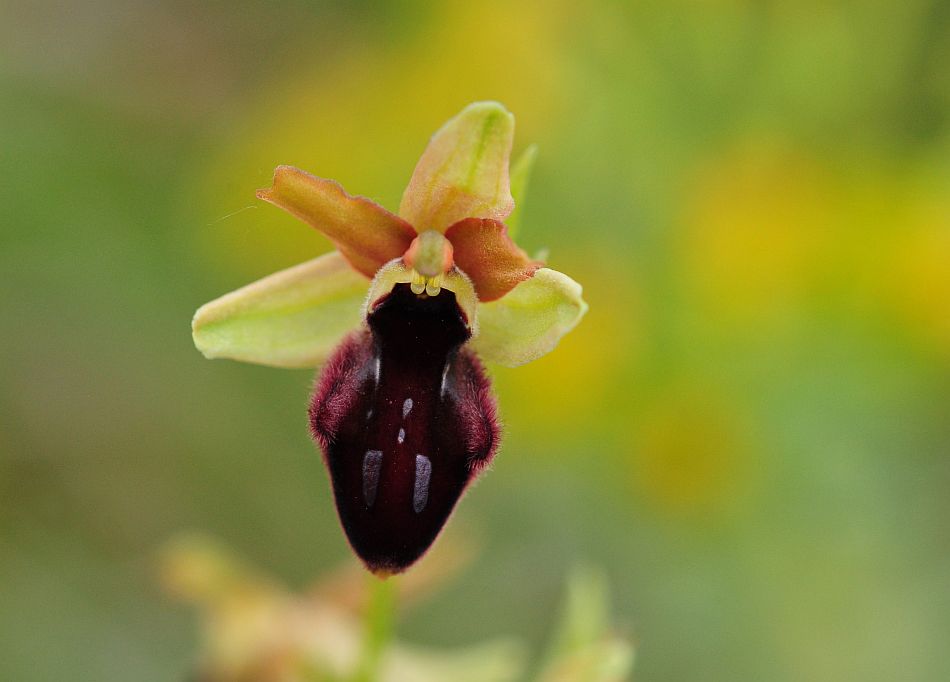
520, 175
293, 318
463, 173
529, 320
584, 648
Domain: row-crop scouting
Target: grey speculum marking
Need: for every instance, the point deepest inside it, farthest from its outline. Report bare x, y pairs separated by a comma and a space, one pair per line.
372, 462
420, 493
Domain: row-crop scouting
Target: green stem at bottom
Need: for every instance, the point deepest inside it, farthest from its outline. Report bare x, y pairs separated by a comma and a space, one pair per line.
377, 628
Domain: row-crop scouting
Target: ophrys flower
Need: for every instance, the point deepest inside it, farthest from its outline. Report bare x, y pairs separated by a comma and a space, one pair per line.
402, 409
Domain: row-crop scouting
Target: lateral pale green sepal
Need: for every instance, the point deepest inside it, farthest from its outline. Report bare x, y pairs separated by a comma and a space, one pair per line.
529, 320
293, 318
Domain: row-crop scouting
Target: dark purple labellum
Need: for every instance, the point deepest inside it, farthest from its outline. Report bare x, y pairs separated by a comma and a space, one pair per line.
404, 415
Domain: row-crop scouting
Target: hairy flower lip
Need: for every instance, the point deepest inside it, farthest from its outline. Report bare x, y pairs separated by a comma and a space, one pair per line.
406, 420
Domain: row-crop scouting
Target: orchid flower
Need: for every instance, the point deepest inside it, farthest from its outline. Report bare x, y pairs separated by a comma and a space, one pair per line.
398, 318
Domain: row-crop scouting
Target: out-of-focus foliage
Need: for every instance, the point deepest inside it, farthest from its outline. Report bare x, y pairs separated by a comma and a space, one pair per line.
749, 432
340, 629
255, 631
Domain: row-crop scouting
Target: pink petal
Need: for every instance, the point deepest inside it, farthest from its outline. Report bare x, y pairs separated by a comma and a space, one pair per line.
366, 234
485, 252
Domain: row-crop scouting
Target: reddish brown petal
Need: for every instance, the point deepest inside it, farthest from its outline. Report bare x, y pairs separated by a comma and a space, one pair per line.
485, 252
365, 233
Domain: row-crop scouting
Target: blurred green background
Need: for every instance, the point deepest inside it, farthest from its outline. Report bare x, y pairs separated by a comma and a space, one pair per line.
749, 432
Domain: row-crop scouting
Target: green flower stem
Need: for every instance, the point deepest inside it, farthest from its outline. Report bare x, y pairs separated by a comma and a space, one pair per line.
377, 628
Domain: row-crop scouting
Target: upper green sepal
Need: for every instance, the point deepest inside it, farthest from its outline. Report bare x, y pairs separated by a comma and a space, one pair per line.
463, 172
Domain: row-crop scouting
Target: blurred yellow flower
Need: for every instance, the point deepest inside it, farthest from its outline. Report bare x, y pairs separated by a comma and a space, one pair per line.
754, 232
693, 455
921, 274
